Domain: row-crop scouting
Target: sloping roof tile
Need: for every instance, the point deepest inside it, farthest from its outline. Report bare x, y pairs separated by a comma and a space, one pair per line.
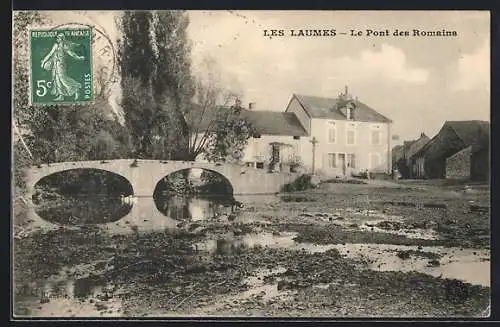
416, 145
471, 132
275, 122
320, 107
265, 122
475, 133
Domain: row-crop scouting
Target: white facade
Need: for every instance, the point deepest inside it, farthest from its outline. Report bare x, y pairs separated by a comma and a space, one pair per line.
343, 146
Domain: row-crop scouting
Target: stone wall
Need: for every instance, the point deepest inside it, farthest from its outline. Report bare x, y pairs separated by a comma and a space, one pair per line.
458, 166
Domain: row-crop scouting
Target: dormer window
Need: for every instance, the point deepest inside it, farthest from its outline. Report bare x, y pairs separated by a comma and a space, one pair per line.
346, 105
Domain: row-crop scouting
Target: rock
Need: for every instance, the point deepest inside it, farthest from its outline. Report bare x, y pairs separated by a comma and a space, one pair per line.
101, 306
281, 285
403, 255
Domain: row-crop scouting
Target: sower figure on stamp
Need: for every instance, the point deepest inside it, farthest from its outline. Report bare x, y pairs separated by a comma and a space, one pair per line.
54, 61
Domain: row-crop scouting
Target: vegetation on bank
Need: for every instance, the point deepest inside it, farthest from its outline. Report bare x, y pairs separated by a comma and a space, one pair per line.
302, 183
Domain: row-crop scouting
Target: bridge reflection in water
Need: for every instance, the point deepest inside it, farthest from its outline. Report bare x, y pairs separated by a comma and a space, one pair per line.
144, 215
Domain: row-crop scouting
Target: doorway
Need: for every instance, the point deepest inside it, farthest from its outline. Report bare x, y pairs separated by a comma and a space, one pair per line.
342, 162
275, 156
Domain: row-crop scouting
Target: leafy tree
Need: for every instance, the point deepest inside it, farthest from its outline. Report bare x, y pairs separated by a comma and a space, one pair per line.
156, 81
229, 138
22, 111
216, 128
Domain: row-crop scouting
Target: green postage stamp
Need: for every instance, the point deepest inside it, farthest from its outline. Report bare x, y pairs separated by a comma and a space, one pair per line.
61, 66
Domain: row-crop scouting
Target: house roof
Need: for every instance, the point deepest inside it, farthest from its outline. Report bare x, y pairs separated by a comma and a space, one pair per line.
320, 107
471, 132
455, 136
416, 145
265, 122
275, 122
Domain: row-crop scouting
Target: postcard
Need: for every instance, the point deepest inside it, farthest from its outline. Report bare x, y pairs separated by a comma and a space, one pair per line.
227, 163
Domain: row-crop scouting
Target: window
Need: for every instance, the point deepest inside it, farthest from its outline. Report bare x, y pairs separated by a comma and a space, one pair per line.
332, 160
351, 160
375, 136
260, 165
296, 137
351, 137
256, 136
332, 135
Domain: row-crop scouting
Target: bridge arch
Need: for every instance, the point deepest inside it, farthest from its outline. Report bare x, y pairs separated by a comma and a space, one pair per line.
81, 196
40, 178
223, 178
191, 192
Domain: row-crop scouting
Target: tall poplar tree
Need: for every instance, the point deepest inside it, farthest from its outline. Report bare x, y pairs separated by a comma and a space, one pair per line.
156, 81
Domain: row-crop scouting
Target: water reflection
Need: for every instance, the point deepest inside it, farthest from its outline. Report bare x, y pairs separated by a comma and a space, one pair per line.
84, 210
84, 297
194, 207
82, 196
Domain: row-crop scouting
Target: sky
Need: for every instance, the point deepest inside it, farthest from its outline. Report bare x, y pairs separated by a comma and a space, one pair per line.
418, 82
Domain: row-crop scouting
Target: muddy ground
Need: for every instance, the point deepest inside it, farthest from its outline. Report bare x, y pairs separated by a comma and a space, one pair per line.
341, 250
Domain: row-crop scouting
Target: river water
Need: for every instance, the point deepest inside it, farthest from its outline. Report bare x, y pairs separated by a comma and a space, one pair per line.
102, 210
83, 297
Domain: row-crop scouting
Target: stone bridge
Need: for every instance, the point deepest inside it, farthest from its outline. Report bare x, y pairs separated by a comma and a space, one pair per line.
145, 174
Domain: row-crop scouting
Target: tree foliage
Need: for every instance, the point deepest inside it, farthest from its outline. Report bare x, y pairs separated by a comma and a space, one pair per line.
229, 138
217, 129
154, 56
21, 111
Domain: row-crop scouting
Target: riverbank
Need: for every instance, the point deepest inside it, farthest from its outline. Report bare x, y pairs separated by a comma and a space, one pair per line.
340, 250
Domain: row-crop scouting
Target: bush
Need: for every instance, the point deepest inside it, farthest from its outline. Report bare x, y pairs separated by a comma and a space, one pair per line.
303, 182
343, 181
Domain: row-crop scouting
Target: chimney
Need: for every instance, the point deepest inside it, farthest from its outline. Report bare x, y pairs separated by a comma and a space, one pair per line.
251, 105
422, 134
347, 96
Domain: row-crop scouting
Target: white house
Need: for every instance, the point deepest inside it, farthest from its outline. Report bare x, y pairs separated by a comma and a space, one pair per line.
349, 136
333, 136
